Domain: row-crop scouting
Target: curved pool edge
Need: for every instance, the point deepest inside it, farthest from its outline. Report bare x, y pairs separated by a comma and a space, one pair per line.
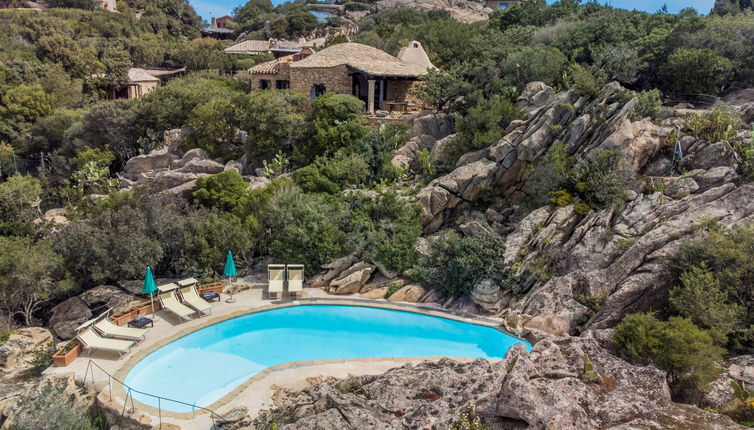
120, 374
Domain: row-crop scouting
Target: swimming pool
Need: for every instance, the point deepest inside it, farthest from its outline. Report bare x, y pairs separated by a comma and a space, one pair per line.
200, 368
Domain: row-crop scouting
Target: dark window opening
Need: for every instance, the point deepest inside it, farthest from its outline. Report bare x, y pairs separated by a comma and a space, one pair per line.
264, 84
282, 85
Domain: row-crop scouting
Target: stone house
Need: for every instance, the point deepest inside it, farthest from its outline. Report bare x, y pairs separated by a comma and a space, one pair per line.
382, 81
139, 83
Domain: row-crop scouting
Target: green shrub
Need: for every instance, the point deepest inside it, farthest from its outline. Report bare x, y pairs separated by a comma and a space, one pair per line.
587, 81
561, 198
225, 190
719, 123
331, 175
696, 71
468, 420
596, 181
457, 263
534, 63
714, 282
648, 104
303, 228
687, 353
701, 298
483, 125
392, 288
548, 175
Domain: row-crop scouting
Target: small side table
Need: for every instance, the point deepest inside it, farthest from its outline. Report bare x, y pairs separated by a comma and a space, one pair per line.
141, 322
210, 295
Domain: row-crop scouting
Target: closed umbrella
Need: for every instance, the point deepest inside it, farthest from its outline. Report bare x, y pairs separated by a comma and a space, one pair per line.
149, 287
230, 271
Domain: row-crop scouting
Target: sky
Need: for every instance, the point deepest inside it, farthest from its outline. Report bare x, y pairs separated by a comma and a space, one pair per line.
209, 8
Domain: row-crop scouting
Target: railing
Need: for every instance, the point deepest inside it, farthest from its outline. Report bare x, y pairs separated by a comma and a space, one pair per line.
130, 391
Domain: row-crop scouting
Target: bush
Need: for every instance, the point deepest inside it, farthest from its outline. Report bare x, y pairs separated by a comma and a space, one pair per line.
696, 71
549, 175
719, 123
718, 267
648, 104
701, 298
303, 228
337, 123
457, 263
386, 226
686, 352
332, 175
392, 288
534, 63
483, 125
225, 190
587, 81
596, 181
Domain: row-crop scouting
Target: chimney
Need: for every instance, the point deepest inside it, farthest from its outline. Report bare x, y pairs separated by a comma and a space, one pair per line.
214, 23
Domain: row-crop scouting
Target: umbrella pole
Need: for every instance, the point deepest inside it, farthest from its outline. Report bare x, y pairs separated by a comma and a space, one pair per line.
151, 301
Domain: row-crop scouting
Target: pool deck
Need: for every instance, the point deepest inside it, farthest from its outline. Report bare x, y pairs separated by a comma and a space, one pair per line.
256, 393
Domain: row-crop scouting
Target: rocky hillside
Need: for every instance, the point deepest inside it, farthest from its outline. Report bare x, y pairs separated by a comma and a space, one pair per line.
616, 255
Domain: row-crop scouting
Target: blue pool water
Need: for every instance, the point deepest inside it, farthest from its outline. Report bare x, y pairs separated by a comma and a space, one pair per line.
205, 365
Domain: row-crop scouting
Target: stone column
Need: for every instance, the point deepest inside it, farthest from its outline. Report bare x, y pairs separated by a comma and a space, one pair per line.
370, 97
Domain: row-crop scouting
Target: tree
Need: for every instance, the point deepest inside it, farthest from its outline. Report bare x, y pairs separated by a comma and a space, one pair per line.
456, 263
686, 352
212, 234
439, 88
534, 63
25, 104
213, 126
20, 198
483, 125
696, 71
31, 273
303, 228
274, 120
337, 123
701, 298
110, 126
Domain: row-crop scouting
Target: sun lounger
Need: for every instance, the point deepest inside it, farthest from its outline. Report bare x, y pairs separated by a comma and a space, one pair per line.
191, 298
170, 302
91, 340
276, 276
107, 328
295, 276
187, 282
167, 287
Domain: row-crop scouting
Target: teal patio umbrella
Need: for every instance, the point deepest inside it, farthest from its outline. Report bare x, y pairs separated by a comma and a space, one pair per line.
149, 287
230, 272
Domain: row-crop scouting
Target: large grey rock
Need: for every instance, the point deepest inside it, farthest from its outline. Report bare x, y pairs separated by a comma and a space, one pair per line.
257, 182
351, 280
486, 291
681, 188
17, 352
714, 155
542, 390
409, 293
201, 165
157, 159
67, 316
191, 154
107, 296
460, 10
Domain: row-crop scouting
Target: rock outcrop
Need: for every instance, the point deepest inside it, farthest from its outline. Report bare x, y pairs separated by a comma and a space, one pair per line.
547, 388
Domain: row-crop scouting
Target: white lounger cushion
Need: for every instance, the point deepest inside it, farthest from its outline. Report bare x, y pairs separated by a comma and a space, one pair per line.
277, 278
171, 303
295, 279
192, 299
111, 329
92, 340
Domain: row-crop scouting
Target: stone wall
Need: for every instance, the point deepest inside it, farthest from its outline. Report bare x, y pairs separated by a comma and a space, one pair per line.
402, 91
257, 78
335, 79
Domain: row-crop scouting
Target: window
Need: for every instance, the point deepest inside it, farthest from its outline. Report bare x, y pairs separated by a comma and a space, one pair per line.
282, 85
503, 6
264, 84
